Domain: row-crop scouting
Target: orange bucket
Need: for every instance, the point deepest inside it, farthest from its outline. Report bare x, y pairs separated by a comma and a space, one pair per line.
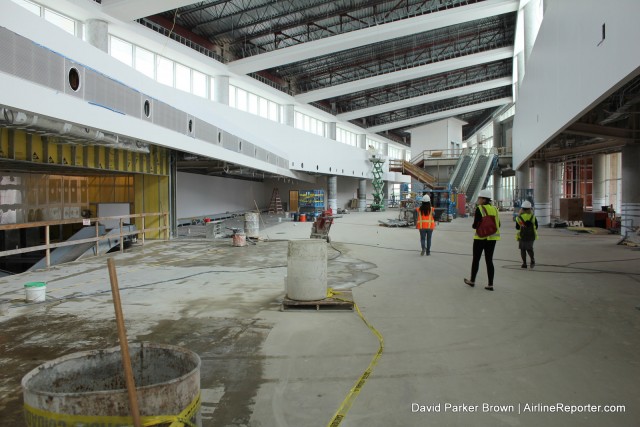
303, 217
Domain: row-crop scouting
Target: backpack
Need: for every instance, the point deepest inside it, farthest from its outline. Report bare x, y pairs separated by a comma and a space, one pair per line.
487, 226
527, 230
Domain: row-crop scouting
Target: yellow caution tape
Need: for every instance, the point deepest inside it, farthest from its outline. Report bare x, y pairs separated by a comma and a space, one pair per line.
341, 413
40, 418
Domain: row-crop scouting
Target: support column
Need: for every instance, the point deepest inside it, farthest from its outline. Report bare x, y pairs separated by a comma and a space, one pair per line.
532, 19
599, 190
541, 199
289, 118
522, 177
362, 141
221, 89
98, 34
497, 188
520, 68
362, 195
331, 130
630, 205
332, 193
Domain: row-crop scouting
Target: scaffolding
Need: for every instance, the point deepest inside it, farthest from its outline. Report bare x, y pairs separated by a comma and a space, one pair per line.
378, 183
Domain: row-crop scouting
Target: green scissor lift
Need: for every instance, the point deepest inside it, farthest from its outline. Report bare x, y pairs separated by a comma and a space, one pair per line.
378, 183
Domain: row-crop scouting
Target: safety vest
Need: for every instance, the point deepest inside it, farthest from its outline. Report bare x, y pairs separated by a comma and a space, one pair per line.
490, 210
527, 217
425, 221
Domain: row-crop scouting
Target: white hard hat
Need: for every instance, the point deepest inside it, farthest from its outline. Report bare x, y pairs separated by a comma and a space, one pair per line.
526, 204
426, 198
486, 193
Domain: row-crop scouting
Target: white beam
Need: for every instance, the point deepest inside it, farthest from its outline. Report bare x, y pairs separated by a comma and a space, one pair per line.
130, 10
440, 115
425, 99
408, 74
374, 34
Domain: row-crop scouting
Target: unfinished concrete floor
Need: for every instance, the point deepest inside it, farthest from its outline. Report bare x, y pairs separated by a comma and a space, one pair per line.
565, 333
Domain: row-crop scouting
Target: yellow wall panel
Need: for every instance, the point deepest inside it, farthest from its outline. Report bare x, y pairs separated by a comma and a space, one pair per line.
50, 151
4, 143
152, 195
90, 157
66, 154
20, 146
37, 151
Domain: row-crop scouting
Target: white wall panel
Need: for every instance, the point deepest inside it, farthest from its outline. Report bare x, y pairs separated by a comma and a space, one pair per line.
200, 195
571, 68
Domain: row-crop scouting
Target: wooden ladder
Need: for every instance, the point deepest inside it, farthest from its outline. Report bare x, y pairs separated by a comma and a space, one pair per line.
276, 203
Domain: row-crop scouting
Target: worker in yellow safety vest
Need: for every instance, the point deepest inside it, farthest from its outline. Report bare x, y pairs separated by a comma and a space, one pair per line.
527, 226
425, 223
486, 222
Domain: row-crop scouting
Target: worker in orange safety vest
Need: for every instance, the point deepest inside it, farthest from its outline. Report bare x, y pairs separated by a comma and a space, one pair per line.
425, 223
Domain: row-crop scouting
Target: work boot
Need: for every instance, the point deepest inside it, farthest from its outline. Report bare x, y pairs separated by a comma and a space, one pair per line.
523, 265
422, 253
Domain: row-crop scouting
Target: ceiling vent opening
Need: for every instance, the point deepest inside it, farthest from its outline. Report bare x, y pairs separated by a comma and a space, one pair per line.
74, 79
147, 108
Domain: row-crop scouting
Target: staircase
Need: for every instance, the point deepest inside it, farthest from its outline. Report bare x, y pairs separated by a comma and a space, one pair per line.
408, 168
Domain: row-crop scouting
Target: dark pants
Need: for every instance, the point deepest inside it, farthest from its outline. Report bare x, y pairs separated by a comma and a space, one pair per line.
488, 246
426, 232
526, 247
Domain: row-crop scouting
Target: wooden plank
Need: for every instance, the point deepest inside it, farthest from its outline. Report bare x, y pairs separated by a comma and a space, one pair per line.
341, 302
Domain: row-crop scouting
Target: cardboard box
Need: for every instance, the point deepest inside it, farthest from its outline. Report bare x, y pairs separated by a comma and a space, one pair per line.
571, 209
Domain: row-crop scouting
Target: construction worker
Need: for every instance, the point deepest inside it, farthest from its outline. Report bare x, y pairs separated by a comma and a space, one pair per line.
425, 223
481, 242
527, 226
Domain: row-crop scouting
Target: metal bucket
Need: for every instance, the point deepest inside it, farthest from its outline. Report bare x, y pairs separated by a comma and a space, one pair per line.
252, 224
89, 387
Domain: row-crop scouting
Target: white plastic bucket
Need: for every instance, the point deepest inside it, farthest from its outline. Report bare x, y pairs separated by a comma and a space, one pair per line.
35, 291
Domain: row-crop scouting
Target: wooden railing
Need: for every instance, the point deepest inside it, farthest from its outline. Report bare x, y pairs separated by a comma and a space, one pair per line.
164, 228
453, 153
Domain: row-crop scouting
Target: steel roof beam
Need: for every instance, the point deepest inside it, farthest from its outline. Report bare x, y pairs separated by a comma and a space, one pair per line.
375, 34
424, 99
440, 115
408, 74
130, 10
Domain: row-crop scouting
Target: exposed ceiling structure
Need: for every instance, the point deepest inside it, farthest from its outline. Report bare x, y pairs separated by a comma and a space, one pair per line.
212, 167
384, 65
606, 128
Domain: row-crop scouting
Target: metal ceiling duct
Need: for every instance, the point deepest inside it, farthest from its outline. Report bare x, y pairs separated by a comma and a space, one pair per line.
68, 131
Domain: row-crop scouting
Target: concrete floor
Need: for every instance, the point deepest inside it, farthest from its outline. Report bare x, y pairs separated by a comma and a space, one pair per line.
565, 333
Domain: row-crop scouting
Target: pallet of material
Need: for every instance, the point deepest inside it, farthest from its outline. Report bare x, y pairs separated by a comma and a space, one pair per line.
394, 223
341, 302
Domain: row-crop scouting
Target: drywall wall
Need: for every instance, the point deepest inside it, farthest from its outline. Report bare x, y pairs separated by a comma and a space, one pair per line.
572, 68
200, 195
